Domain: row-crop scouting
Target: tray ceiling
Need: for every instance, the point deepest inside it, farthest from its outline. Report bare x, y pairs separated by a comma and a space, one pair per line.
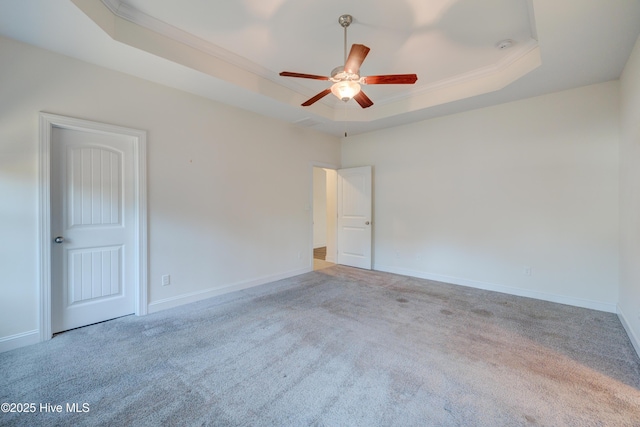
233, 51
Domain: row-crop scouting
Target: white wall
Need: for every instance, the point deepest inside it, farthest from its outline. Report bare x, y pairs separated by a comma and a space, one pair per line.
474, 198
471, 198
629, 305
319, 207
228, 189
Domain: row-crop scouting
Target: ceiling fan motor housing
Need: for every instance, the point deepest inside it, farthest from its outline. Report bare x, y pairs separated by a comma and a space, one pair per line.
338, 74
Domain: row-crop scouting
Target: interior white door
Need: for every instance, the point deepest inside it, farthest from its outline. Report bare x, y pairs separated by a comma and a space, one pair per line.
354, 217
93, 227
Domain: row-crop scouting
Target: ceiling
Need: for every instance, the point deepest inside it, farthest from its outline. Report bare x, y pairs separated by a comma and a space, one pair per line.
232, 51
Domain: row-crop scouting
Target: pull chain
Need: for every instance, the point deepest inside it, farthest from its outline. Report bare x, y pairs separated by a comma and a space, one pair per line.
345, 120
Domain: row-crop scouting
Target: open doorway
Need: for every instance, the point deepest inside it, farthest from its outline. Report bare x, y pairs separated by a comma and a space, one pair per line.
324, 217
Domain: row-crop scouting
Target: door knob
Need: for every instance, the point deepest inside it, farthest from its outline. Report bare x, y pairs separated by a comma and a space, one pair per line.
366, 223
59, 239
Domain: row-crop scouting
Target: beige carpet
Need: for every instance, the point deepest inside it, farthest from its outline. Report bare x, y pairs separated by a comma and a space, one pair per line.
337, 347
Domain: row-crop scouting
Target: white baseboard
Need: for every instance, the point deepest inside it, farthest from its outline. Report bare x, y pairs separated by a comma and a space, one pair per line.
561, 299
187, 298
632, 336
19, 340
33, 337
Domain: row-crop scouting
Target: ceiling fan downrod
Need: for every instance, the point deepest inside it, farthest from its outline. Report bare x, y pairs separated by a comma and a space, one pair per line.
345, 21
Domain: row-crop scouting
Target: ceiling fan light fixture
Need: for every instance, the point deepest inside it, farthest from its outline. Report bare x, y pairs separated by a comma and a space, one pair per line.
346, 78
345, 90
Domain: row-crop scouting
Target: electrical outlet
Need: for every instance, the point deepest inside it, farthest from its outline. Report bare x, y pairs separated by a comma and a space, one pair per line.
527, 271
166, 280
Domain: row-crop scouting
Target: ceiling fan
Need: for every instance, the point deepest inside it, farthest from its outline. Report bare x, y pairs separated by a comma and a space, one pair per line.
346, 79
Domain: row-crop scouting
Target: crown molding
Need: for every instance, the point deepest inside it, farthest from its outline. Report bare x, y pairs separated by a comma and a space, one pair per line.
134, 16
130, 26
519, 53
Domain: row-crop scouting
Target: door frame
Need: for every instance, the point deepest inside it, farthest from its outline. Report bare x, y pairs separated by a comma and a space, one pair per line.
323, 166
47, 123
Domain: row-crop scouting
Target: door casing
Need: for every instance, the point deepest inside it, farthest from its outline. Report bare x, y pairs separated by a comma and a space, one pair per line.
337, 231
310, 207
47, 123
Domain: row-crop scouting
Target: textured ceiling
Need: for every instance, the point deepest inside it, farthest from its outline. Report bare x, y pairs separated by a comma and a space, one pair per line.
452, 45
232, 51
439, 40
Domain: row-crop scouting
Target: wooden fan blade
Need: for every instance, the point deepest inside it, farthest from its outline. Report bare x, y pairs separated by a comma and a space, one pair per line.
316, 98
362, 99
303, 76
356, 56
391, 79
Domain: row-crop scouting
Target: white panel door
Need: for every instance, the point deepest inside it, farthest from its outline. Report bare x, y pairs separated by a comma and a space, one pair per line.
354, 217
93, 227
